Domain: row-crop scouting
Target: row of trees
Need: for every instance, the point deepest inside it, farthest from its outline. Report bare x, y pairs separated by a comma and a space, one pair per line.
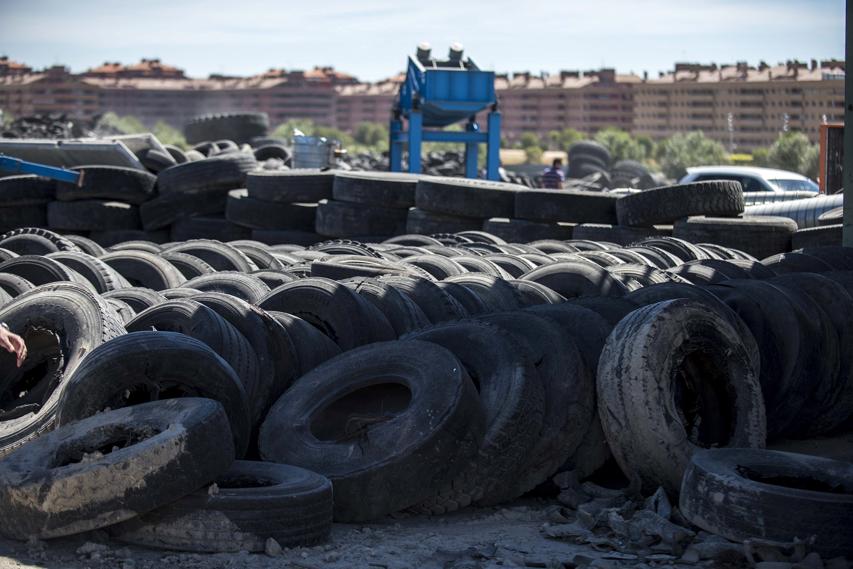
792, 150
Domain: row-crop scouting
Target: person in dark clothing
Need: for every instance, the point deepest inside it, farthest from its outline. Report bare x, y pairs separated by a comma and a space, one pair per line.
553, 177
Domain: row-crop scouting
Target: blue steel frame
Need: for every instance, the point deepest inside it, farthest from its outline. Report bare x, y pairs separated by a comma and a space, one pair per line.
438, 97
9, 164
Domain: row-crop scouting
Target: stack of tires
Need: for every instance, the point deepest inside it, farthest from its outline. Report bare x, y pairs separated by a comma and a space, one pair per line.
451, 205
818, 219
587, 158
239, 127
371, 206
280, 206
23, 201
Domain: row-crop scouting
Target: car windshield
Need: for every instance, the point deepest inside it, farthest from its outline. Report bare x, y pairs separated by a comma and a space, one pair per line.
795, 185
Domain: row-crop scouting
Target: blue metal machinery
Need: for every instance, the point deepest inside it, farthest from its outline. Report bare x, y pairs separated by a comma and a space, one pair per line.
440, 93
16, 165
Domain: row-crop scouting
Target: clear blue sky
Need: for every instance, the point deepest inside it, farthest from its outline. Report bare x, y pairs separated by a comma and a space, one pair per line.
371, 38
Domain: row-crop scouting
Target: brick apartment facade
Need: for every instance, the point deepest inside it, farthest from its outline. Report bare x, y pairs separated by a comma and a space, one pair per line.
741, 106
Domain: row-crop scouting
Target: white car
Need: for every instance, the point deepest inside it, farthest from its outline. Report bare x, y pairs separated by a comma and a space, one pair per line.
753, 179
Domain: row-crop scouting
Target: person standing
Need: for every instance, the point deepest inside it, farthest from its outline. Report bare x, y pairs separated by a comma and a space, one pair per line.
13, 343
553, 177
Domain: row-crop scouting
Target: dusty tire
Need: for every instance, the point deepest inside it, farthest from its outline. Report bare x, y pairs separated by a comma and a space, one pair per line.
671, 203
525, 231
566, 205
423, 222
35, 241
243, 286
759, 236
675, 355
239, 127
127, 185
220, 256
438, 305
466, 198
165, 210
312, 346
222, 172
619, 234
100, 275
290, 186
385, 189
393, 446
257, 214
253, 502
144, 269
170, 449
26, 190
147, 366
779, 496
574, 279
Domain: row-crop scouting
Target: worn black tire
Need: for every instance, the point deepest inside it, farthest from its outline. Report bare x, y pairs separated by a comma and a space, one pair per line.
220, 256
252, 502
127, 185
194, 320
149, 366
710, 271
240, 285
144, 269
512, 397
651, 363
670, 203
590, 149
86, 245
169, 449
189, 265
331, 307
312, 346
760, 236
533, 294
26, 190
619, 234
16, 217
421, 221
566, 205
496, 293
822, 236
392, 447
87, 215
757, 491
385, 189
100, 275
61, 324
402, 312
138, 298
110, 239
783, 263
221, 172
569, 389
214, 227
344, 219
35, 241
438, 305
831, 217
257, 214
525, 231
239, 127
462, 197
576, 279
165, 210
290, 186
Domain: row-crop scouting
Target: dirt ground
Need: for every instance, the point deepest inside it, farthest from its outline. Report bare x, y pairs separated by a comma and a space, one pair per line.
473, 538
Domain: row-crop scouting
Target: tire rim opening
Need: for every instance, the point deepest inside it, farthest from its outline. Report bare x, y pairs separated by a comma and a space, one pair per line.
101, 443
145, 392
26, 389
703, 398
351, 416
797, 482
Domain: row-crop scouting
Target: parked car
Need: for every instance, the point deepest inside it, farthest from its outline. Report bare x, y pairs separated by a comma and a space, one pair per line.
760, 185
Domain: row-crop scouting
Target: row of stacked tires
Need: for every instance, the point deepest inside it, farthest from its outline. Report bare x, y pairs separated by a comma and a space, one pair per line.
226, 195
423, 373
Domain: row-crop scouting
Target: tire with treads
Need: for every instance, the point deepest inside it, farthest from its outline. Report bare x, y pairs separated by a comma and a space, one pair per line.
220, 256
189, 265
101, 276
169, 448
796, 263
312, 346
709, 271
257, 214
386, 189
620, 234
385, 444
238, 127
438, 305
135, 245
290, 186
18, 216
86, 245
331, 307
512, 397
568, 385
636, 276
253, 502
496, 293
190, 318
719, 198
576, 279
148, 366
259, 254
678, 356
421, 221
243, 286
344, 219
35, 241
138, 298
839, 258
144, 269
438, 266
525, 231
128, 185
42, 270
760, 236
402, 312
771, 495
26, 190
566, 205
221, 172
466, 198
165, 210
532, 294
61, 324
278, 361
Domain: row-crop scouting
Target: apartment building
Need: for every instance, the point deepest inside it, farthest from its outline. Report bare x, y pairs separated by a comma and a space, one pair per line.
740, 106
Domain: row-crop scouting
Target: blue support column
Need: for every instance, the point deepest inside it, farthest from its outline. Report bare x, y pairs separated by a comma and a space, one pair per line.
493, 146
395, 146
416, 119
471, 151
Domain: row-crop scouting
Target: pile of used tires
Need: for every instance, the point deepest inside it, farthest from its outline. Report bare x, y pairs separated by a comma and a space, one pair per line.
208, 396
591, 164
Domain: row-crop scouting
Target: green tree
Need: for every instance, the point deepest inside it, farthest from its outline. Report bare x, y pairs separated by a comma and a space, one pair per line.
621, 145
111, 123
683, 150
167, 134
371, 135
529, 140
534, 154
648, 145
792, 151
760, 157
562, 139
